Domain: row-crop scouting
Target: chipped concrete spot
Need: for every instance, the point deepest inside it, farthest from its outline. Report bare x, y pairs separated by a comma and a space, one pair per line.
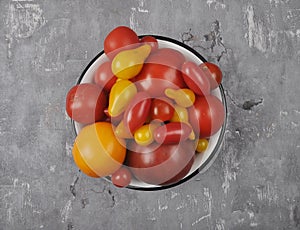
257, 33
66, 211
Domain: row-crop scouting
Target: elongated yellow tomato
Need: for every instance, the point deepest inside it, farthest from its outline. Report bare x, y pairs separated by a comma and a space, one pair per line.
120, 95
97, 152
128, 63
183, 97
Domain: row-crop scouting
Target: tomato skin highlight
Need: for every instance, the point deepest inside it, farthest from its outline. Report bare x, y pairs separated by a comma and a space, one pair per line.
207, 115
85, 103
172, 133
122, 37
195, 78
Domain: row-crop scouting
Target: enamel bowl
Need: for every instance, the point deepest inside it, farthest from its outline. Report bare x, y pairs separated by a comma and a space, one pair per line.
202, 161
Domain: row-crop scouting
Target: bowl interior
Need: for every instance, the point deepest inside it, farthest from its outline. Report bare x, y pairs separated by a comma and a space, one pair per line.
214, 142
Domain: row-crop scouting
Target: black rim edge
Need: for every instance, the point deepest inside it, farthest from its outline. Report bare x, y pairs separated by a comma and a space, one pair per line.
219, 142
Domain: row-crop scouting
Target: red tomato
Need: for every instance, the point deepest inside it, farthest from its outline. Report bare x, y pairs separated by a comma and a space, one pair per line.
164, 164
195, 78
137, 111
207, 115
151, 41
122, 177
104, 76
120, 37
161, 109
172, 133
161, 71
213, 74
85, 103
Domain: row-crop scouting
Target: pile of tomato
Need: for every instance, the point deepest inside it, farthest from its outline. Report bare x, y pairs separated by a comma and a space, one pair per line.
146, 114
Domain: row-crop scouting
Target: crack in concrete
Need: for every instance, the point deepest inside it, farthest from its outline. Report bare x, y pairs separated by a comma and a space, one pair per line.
213, 37
112, 198
247, 105
73, 186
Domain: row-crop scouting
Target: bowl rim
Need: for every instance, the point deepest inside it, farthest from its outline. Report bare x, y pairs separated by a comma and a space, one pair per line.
223, 128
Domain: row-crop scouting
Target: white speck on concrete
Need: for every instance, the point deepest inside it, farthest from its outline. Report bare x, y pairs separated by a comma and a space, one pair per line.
66, 211
52, 168
216, 3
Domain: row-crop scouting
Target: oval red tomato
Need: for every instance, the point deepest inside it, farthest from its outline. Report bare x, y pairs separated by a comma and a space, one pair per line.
120, 37
213, 73
164, 164
207, 115
85, 103
161, 71
104, 76
161, 109
195, 78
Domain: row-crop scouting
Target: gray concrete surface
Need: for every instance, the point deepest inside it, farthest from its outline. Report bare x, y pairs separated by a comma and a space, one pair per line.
253, 184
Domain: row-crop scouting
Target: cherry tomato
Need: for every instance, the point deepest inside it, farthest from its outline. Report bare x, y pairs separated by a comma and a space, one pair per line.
144, 135
104, 76
151, 41
120, 37
137, 111
195, 78
85, 103
161, 109
160, 71
97, 152
207, 115
172, 133
160, 164
213, 74
201, 145
121, 178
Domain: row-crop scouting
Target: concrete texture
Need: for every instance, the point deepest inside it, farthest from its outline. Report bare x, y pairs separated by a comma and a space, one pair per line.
253, 184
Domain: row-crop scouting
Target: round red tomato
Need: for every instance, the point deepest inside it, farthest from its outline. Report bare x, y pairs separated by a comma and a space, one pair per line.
151, 41
161, 71
207, 115
85, 103
161, 109
122, 177
160, 164
213, 73
104, 76
118, 38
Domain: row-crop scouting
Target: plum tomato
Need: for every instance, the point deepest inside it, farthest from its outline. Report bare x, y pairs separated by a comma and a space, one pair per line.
121, 178
104, 76
195, 78
120, 37
161, 109
151, 41
207, 115
160, 164
161, 71
85, 103
96, 150
213, 73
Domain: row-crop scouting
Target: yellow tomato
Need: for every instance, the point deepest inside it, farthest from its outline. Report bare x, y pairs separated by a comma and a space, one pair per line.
128, 63
201, 145
97, 152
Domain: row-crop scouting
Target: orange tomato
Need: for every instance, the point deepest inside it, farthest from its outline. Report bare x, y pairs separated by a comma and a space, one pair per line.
97, 151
